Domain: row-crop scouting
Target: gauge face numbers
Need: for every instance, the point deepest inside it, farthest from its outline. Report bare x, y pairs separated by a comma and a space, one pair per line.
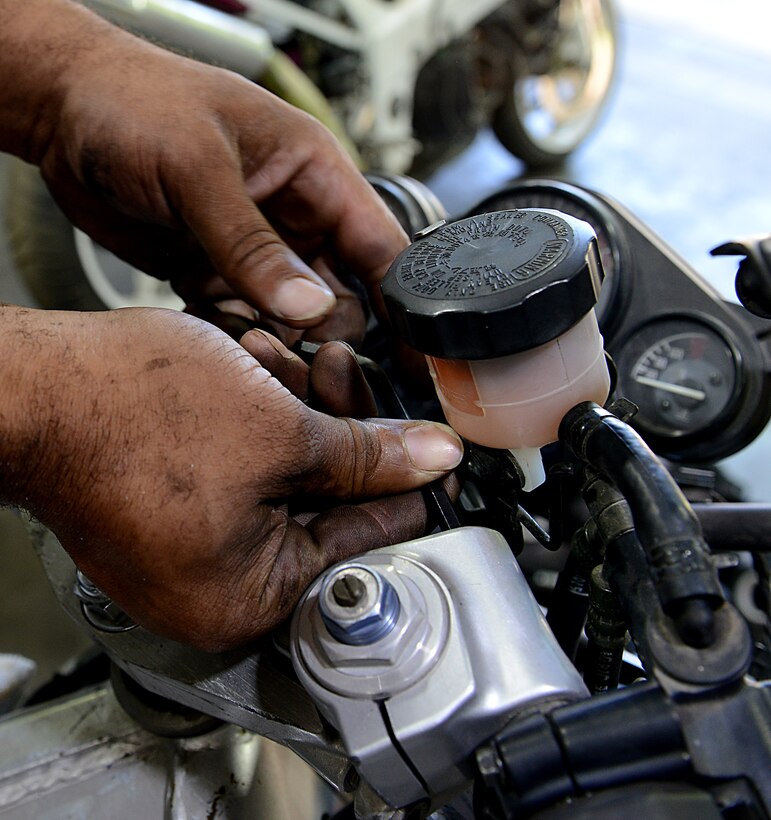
682, 374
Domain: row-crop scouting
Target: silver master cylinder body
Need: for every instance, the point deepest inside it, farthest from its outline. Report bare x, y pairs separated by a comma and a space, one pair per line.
448, 647
467, 650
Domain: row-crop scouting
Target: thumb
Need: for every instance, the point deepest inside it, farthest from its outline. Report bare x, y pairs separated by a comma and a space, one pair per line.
360, 459
252, 258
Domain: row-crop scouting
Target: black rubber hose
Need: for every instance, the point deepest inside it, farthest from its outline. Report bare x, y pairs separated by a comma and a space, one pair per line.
606, 634
569, 600
685, 579
735, 527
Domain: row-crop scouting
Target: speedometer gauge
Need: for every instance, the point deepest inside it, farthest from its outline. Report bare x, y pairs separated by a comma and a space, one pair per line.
684, 374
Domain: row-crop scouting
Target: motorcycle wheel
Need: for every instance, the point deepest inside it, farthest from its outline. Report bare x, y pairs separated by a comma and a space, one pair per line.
63, 268
559, 89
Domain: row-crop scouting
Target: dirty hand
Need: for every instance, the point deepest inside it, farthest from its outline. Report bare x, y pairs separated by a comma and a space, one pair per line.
170, 462
189, 172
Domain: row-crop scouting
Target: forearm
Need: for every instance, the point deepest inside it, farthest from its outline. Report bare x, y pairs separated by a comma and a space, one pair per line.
44, 44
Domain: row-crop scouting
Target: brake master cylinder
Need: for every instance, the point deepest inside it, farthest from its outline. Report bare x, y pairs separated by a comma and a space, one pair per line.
502, 305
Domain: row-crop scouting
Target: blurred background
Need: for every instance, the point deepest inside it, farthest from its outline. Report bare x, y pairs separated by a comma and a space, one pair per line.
683, 143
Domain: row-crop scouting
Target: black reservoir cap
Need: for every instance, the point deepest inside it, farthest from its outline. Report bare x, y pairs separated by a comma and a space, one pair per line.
494, 284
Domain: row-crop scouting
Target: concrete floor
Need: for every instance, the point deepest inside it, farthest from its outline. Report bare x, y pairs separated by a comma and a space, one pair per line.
683, 144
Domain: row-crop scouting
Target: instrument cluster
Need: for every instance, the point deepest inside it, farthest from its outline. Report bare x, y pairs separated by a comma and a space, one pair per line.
696, 366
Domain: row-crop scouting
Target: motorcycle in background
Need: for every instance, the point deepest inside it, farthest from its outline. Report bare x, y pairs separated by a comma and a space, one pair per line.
404, 85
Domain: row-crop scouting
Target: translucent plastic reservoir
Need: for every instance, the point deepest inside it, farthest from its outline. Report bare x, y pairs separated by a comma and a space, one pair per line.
502, 305
517, 401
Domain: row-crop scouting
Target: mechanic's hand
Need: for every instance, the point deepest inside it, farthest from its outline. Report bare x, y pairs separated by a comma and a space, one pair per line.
163, 455
197, 175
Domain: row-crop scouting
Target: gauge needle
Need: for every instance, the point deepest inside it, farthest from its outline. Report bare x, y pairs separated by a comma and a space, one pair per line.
668, 387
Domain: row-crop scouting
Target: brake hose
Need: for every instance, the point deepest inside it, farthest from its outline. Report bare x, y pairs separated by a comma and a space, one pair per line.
685, 579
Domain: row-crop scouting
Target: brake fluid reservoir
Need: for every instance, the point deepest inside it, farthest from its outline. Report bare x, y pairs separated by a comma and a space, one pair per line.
502, 304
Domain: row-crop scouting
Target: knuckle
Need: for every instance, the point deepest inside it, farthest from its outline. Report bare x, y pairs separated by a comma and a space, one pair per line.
335, 457
321, 450
251, 247
360, 459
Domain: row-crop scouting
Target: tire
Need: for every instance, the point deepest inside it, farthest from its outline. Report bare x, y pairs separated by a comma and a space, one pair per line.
559, 90
63, 268
445, 116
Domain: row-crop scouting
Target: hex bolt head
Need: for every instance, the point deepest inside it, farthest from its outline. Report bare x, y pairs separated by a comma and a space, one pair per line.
358, 606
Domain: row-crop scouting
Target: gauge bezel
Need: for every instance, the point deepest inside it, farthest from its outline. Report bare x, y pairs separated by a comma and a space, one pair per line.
670, 444
613, 308
414, 205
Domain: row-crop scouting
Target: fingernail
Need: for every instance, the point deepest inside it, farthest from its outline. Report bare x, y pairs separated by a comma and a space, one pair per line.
237, 308
300, 299
433, 447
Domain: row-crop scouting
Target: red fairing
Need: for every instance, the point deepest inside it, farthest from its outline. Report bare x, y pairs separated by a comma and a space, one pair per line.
230, 6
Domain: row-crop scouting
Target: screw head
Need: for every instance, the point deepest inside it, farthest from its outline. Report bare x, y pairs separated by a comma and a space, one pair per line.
358, 606
348, 590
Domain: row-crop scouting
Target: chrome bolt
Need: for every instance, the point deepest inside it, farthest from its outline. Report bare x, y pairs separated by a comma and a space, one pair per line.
99, 610
358, 606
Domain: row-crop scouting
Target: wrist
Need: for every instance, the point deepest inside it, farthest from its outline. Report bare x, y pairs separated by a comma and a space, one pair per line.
39, 417
17, 429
